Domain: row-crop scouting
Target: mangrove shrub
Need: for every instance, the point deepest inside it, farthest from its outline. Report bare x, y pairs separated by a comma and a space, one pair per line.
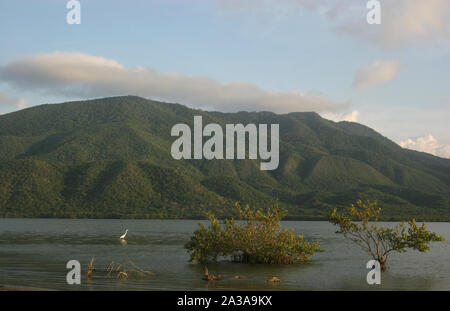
379, 241
258, 238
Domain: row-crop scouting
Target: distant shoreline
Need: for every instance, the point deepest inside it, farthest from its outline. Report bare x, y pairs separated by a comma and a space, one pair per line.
287, 218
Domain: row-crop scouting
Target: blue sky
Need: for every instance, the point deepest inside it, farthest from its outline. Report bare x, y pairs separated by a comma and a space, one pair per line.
293, 55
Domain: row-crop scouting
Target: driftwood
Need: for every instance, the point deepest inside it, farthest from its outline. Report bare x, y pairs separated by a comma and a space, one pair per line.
208, 277
121, 271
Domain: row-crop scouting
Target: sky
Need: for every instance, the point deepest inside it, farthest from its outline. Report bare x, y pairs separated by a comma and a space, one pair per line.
230, 55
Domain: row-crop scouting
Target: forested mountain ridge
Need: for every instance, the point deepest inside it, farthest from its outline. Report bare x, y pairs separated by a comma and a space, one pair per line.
111, 157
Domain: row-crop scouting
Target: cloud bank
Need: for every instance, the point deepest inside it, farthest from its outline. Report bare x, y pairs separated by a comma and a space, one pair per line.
408, 21
403, 22
378, 73
80, 75
427, 144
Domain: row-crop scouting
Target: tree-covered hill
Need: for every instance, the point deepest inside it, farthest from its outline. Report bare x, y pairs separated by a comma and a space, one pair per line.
111, 158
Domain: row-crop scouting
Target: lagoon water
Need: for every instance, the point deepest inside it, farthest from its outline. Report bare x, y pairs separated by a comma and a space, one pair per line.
34, 252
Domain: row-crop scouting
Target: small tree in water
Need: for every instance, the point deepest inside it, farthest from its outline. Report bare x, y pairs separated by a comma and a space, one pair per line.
258, 239
379, 241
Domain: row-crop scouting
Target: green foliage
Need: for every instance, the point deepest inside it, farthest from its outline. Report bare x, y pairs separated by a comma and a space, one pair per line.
377, 240
111, 158
258, 239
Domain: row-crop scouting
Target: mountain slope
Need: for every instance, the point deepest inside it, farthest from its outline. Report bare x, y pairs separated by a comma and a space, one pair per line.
111, 158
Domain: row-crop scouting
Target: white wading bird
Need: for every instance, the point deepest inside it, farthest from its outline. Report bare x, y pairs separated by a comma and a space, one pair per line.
122, 237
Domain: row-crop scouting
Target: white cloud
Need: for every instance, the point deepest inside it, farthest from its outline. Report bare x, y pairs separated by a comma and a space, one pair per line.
427, 144
338, 117
377, 73
12, 102
82, 75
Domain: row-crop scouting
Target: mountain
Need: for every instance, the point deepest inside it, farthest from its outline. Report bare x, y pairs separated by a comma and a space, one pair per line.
111, 158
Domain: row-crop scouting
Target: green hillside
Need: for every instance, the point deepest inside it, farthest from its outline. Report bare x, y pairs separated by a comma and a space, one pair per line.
111, 158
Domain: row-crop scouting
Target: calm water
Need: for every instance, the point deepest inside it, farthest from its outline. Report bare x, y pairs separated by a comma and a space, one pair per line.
34, 252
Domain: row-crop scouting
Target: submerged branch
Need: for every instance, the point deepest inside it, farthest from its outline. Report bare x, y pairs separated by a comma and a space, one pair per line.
121, 271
